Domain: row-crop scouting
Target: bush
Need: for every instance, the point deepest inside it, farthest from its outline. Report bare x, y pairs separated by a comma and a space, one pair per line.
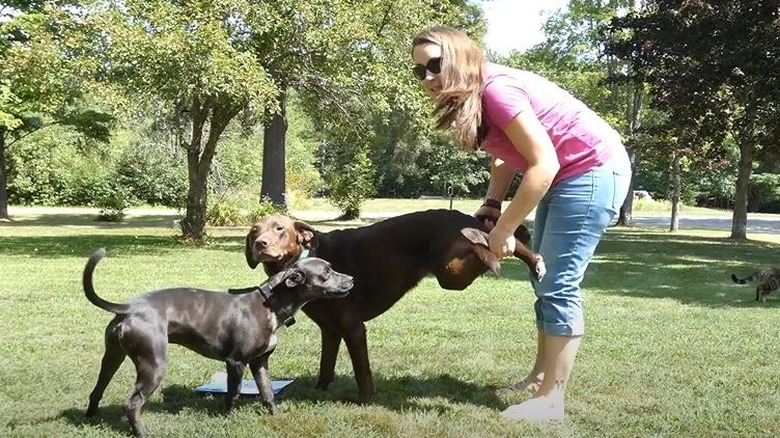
231, 211
153, 175
113, 206
349, 177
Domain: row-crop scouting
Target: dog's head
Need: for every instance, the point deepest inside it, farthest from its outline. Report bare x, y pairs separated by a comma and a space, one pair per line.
279, 240
313, 278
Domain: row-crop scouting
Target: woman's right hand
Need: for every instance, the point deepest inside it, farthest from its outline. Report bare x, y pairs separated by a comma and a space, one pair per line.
488, 216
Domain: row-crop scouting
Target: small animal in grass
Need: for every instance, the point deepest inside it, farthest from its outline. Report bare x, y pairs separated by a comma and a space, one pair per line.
238, 328
768, 280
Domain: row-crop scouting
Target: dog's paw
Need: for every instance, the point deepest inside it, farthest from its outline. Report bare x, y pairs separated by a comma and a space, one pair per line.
541, 269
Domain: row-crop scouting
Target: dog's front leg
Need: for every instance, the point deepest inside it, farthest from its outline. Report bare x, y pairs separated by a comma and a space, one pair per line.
259, 368
235, 373
358, 352
330, 350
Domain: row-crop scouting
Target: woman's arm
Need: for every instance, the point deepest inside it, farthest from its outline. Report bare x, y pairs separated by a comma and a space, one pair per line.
530, 139
501, 175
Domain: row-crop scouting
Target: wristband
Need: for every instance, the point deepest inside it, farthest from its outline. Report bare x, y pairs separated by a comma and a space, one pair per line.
493, 203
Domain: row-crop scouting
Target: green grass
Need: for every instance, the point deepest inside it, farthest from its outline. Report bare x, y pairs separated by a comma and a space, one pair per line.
673, 347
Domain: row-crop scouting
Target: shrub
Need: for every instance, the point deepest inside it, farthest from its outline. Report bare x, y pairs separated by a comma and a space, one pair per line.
349, 177
113, 205
153, 175
231, 211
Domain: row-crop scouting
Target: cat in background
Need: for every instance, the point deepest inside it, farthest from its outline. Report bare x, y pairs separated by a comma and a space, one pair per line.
768, 280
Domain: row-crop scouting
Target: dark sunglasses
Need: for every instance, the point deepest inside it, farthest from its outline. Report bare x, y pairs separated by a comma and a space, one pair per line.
433, 66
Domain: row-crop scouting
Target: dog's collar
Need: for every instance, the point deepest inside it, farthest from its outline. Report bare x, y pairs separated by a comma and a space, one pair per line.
304, 253
266, 291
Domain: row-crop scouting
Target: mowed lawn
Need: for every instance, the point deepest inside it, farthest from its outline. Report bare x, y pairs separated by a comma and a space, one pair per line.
673, 347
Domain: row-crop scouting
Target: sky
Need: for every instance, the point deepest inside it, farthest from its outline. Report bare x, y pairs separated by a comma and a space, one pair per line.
516, 24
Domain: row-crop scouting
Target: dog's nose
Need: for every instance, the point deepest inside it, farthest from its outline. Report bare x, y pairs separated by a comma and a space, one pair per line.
261, 243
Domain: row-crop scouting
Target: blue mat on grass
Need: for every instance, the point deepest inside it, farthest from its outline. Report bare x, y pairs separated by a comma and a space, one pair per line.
218, 385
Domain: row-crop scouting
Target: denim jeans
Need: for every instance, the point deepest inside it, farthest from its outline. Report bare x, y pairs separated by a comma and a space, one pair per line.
570, 220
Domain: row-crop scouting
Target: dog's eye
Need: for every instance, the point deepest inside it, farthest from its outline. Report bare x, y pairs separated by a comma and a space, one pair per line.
279, 228
326, 273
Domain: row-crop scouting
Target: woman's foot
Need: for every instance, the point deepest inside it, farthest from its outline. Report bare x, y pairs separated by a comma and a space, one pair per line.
535, 409
528, 384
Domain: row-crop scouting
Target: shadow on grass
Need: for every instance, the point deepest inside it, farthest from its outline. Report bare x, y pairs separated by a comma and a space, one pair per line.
397, 394
64, 245
90, 220
85, 244
174, 399
690, 269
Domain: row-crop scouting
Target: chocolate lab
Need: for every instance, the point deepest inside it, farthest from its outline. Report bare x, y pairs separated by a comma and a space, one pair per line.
386, 259
238, 329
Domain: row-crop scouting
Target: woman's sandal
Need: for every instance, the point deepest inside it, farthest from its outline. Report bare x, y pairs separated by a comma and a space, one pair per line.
526, 384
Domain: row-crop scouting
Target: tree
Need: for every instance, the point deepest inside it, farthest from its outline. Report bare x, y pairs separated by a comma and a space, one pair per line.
197, 60
713, 67
349, 62
573, 57
42, 82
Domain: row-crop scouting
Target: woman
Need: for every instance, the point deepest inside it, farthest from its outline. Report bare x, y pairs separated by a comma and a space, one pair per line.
576, 173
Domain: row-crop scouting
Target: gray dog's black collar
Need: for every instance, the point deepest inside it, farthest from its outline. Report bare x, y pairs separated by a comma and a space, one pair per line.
267, 291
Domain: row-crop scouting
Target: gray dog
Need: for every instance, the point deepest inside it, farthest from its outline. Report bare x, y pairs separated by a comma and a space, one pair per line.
239, 329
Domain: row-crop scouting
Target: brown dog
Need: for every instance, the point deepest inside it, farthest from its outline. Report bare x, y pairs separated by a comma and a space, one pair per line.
386, 260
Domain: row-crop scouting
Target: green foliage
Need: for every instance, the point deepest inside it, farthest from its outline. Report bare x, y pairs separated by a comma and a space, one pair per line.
153, 175
349, 174
113, 205
448, 166
231, 211
7, 102
764, 192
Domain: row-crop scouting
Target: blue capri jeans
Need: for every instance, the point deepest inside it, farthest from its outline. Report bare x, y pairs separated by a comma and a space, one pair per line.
570, 220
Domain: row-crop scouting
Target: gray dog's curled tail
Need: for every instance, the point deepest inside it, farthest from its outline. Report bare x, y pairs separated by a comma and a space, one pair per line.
89, 290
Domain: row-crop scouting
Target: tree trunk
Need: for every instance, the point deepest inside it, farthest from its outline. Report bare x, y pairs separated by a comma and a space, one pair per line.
273, 186
676, 191
626, 214
633, 115
739, 219
199, 158
746, 138
3, 178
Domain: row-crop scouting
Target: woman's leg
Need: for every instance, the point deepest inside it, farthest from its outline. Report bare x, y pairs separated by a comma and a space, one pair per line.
534, 378
579, 211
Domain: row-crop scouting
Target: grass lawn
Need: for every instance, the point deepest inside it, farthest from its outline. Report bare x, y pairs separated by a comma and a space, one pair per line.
673, 347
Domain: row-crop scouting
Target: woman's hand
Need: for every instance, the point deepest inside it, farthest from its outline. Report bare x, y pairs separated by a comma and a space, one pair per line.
501, 242
488, 216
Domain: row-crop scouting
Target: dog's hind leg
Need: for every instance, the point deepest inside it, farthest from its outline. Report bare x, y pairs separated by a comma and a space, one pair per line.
259, 368
112, 359
150, 361
235, 374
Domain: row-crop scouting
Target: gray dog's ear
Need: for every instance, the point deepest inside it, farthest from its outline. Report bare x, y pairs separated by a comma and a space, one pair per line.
296, 278
248, 253
306, 235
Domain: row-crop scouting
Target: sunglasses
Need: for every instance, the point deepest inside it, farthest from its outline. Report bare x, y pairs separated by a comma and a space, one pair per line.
433, 66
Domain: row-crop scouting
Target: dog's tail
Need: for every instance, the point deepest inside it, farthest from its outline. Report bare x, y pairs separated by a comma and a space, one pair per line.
89, 290
743, 280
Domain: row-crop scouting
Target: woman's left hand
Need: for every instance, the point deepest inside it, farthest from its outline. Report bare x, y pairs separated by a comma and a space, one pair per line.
501, 242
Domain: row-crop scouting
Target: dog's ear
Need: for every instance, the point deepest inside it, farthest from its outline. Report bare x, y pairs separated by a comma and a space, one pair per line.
306, 235
296, 278
248, 253
479, 240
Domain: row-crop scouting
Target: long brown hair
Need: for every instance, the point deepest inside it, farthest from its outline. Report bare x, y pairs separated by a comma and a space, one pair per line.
459, 103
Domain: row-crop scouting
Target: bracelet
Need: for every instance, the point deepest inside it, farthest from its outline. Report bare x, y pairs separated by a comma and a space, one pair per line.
493, 203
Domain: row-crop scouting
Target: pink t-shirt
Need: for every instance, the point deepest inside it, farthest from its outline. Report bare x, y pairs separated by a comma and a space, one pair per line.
581, 138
